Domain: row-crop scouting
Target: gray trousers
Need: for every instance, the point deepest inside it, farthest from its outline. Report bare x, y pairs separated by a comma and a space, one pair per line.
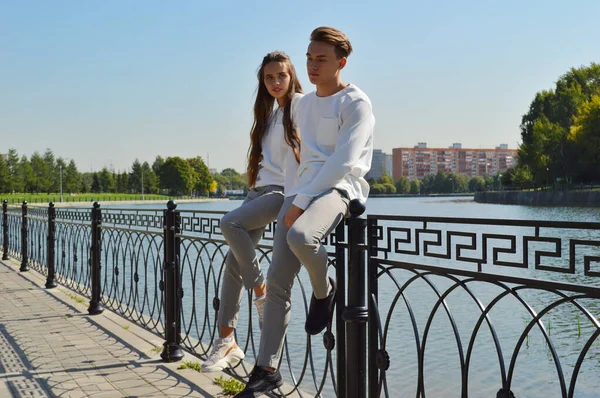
301, 244
242, 228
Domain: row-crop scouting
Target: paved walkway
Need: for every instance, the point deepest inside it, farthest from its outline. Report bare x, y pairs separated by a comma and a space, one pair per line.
50, 347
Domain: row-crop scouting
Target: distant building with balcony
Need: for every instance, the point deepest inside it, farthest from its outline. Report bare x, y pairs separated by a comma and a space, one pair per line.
419, 161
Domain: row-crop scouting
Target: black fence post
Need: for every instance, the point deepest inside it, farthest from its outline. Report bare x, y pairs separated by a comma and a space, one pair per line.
50, 246
5, 230
95, 261
379, 360
340, 306
356, 314
24, 258
171, 290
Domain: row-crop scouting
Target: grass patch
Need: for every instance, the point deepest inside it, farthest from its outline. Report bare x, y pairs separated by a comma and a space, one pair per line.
73, 297
157, 349
230, 386
190, 365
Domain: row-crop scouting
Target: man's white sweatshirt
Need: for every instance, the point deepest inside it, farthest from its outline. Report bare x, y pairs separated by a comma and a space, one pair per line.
337, 145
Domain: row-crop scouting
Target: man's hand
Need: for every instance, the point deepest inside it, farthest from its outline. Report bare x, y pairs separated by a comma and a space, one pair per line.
292, 215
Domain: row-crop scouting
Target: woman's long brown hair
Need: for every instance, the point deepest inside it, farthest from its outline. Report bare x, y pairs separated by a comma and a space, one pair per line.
263, 110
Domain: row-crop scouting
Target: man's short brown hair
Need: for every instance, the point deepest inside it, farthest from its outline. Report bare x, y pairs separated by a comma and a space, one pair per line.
335, 37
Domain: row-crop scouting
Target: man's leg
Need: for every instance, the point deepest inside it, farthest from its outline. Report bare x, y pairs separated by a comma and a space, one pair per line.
280, 279
304, 239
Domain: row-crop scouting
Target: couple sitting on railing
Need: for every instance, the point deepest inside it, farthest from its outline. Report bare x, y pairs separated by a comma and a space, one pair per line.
307, 159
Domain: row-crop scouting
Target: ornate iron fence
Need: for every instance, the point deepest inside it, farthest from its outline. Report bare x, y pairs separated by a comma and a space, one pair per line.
487, 306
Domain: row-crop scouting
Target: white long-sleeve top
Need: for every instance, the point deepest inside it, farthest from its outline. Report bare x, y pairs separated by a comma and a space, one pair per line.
337, 145
272, 167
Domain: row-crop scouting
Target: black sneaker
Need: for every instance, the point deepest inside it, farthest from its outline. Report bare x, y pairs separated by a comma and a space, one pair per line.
320, 311
261, 381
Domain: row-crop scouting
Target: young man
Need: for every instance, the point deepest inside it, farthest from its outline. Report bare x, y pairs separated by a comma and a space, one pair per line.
336, 127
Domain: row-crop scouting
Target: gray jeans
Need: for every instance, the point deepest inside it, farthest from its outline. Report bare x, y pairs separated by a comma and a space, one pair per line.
242, 228
301, 244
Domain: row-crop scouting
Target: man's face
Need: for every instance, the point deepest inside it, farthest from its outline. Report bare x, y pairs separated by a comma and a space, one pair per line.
322, 64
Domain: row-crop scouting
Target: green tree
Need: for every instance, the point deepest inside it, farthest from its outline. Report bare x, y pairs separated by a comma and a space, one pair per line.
415, 186
96, 187
546, 127
107, 184
27, 175
157, 165
48, 177
151, 180
231, 179
585, 135
177, 176
386, 178
377, 189
4, 176
428, 184
71, 178
402, 185
440, 183
15, 183
38, 168
87, 180
202, 177
135, 177
389, 188
122, 182
520, 176
476, 184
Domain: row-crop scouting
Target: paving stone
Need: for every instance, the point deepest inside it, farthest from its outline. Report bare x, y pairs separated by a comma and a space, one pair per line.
49, 349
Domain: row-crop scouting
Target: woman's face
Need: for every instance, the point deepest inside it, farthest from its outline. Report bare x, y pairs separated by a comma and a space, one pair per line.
277, 80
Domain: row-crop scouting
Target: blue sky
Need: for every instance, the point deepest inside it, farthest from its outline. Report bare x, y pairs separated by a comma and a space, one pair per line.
105, 82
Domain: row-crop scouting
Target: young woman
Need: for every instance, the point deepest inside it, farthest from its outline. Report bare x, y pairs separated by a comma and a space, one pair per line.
274, 143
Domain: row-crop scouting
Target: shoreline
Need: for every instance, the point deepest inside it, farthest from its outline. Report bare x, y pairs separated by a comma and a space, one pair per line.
541, 198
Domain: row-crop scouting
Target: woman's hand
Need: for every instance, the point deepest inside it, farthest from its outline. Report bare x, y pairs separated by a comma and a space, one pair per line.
292, 215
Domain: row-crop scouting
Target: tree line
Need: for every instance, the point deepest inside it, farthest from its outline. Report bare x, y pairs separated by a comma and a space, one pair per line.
441, 182
175, 176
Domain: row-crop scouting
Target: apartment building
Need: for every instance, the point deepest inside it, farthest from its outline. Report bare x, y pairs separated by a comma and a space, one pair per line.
417, 162
380, 162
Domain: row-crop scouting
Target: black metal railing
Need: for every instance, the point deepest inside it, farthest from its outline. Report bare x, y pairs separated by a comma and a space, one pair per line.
472, 302
426, 306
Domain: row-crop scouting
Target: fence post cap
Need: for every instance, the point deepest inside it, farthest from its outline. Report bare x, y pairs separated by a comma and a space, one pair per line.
24, 203
96, 205
5, 201
356, 207
51, 204
171, 205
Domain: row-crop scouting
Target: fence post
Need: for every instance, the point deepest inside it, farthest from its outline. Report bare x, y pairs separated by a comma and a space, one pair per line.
50, 247
340, 306
356, 314
95, 257
24, 258
170, 285
379, 360
5, 230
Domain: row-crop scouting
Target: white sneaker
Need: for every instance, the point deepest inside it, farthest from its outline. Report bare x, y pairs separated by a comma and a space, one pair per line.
223, 355
260, 308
